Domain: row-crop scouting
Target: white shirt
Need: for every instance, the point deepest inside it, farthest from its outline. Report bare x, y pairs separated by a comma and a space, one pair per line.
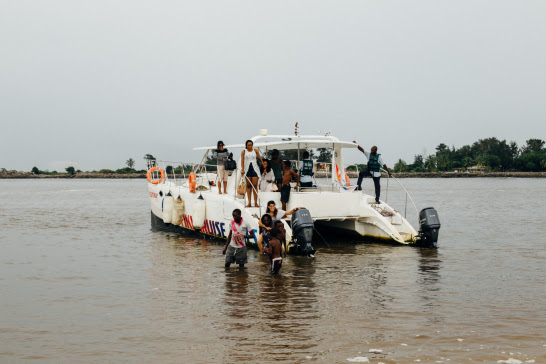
379, 160
244, 229
306, 179
280, 215
266, 186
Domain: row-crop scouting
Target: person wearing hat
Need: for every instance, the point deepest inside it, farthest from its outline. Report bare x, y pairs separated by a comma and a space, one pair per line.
374, 170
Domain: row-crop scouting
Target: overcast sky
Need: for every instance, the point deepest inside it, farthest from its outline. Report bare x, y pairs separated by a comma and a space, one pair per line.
93, 83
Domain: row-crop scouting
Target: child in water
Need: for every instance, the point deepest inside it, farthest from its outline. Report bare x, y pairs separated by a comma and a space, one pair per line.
275, 250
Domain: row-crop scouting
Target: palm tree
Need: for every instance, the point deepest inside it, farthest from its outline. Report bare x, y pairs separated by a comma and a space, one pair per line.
430, 163
130, 163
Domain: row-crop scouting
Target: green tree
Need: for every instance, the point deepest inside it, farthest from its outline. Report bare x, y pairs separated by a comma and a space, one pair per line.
430, 163
418, 163
400, 166
130, 163
468, 162
325, 155
71, 170
532, 145
35, 170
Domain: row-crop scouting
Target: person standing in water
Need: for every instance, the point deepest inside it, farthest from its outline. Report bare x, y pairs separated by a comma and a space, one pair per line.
221, 158
275, 250
250, 170
374, 170
235, 248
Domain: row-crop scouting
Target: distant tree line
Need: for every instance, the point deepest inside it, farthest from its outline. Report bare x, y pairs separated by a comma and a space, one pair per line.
489, 154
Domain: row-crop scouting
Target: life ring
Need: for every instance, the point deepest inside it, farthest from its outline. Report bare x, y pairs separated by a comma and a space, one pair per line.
192, 182
347, 180
155, 181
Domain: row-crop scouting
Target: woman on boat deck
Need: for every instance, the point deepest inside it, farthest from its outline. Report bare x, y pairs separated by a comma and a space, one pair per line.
267, 178
266, 224
249, 161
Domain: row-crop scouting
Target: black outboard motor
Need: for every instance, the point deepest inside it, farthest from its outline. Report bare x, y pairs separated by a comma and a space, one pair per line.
302, 232
429, 226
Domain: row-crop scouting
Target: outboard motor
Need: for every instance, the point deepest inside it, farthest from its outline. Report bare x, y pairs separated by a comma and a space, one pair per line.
302, 232
429, 226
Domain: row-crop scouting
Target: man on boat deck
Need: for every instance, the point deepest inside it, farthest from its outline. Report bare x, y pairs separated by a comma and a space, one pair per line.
276, 165
287, 177
374, 164
235, 248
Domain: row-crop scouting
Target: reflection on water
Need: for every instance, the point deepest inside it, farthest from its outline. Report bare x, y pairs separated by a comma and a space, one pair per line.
92, 282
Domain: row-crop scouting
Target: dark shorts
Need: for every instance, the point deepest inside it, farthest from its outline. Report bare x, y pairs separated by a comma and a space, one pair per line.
285, 193
306, 184
278, 181
236, 255
251, 172
276, 266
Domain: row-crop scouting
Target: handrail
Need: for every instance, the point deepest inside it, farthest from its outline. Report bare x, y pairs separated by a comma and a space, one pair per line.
406, 191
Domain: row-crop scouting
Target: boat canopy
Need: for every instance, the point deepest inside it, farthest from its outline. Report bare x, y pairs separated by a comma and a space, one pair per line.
288, 142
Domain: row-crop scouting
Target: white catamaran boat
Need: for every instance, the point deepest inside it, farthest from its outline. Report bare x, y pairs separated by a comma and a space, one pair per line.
191, 203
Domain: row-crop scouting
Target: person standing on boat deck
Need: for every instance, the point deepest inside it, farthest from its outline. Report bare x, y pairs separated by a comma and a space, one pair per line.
374, 164
222, 155
277, 166
267, 177
249, 161
307, 170
235, 248
286, 179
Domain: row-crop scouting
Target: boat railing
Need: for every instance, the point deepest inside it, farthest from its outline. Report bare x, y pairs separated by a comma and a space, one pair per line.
407, 195
198, 168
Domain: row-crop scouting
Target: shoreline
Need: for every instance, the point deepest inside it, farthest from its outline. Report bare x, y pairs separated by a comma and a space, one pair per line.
351, 174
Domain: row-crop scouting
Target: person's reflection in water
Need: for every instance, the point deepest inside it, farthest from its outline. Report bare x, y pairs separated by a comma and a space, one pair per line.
240, 315
236, 298
429, 280
288, 310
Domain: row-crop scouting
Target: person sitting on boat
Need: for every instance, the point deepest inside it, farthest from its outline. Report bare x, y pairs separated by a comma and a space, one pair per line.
307, 170
221, 155
249, 161
235, 248
267, 178
274, 250
286, 179
374, 165
266, 224
277, 166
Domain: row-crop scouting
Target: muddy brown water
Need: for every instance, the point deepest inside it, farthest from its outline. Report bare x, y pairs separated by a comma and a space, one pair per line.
85, 279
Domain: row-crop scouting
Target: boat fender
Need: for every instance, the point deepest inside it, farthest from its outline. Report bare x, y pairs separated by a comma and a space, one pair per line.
168, 203
199, 212
155, 181
347, 180
192, 182
178, 211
